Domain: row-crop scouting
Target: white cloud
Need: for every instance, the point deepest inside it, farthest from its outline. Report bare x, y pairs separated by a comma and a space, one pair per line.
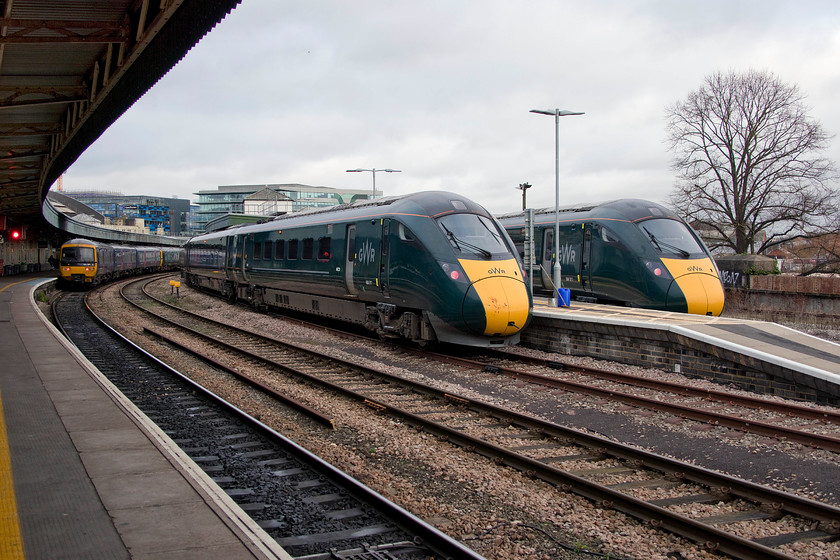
301, 92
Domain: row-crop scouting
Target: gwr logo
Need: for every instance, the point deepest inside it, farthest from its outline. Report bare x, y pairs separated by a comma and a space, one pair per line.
367, 253
496, 270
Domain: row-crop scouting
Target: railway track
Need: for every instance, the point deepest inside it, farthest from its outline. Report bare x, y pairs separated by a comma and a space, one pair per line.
657, 490
754, 415
311, 509
816, 427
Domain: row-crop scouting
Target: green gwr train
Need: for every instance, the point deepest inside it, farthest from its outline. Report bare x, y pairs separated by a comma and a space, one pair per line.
630, 252
427, 267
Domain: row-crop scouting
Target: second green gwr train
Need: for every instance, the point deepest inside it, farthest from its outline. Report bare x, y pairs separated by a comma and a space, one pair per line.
630, 251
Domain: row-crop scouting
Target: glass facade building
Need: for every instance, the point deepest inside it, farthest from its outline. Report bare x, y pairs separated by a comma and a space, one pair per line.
163, 216
230, 199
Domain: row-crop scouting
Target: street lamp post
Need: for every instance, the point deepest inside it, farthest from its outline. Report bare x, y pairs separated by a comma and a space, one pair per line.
557, 113
373, 172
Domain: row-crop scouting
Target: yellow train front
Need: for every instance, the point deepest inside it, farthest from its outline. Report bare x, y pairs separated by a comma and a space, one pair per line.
82, 262
629, 252
78, 262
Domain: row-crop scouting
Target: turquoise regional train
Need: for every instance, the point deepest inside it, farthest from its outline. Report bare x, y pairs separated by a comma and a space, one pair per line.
427, 267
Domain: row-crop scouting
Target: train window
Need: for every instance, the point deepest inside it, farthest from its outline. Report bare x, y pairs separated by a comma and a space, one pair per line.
608, 236
671, 236
257, 250
292, 253
77, 255
404, 233
324, 248
308, 246
268, 249
351, 243
548, 246
520, 247
279, 249
473, 234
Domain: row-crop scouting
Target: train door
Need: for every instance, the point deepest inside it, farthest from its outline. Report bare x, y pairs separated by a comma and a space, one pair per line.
586, 259
247, 255
385, 259
233, 267
572, 259
547, 261
350, 262
368, 256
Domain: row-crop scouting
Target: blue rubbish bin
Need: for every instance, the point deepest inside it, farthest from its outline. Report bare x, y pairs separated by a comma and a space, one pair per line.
564, 297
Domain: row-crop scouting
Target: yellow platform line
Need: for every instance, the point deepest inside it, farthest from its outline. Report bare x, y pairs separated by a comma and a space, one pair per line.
14, 284
11, 543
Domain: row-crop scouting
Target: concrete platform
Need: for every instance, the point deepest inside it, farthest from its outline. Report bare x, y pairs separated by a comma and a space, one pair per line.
84, 474
745, 352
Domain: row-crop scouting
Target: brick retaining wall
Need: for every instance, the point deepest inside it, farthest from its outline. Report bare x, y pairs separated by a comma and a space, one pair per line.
799, 284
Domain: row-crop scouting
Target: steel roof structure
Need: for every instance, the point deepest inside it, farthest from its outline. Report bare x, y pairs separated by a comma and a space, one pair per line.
69, 69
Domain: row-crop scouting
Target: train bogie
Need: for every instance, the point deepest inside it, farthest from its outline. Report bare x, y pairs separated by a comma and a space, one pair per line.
391, 265
630, 252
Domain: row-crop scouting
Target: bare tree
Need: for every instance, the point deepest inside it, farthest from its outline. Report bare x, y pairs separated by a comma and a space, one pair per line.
748, 162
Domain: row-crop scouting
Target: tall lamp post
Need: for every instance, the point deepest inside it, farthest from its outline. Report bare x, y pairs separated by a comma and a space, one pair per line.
556, 113
373, 172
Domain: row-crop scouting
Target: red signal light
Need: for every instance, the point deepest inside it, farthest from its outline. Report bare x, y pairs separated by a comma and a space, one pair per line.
15, 234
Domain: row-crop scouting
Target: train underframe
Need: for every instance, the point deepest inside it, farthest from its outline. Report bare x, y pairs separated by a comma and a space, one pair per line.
387, 320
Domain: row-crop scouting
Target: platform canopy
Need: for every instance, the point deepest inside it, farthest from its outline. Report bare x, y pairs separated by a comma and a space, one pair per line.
70, 68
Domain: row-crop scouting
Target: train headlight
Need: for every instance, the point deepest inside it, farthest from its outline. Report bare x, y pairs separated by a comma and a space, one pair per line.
658, 269
454, 272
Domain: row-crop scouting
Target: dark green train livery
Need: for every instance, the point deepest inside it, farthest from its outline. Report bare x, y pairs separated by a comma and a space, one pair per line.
632, 252
431, 266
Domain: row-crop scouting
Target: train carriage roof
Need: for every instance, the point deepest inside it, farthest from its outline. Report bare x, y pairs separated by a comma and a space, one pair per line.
630, 209
430, 204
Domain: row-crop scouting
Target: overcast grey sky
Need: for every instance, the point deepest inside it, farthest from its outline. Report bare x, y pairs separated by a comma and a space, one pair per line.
299, 92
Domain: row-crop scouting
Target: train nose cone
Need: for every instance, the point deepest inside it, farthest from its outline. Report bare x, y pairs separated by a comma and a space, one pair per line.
702, 292
505, 306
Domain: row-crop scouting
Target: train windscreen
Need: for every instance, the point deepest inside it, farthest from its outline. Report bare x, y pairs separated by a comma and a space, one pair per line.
77, 256
671, 236
473, 234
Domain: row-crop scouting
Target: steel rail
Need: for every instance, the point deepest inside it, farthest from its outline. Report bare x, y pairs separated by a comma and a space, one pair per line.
747, 401
425, 533
742, 488
778, 501
712, 538
285, 399
821, 441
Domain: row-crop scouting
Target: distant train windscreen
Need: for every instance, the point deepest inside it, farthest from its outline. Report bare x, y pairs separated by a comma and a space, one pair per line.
471, 233
671, 236
77, 256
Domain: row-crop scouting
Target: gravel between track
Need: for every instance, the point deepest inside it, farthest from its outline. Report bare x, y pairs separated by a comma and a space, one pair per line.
499, 512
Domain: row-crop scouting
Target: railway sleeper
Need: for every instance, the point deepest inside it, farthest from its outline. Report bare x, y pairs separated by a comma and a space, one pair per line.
598, 471
736, 516
652, 483
798, 536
